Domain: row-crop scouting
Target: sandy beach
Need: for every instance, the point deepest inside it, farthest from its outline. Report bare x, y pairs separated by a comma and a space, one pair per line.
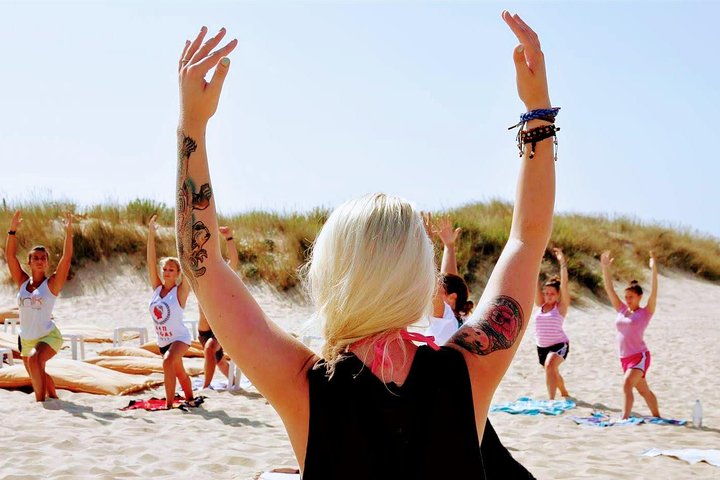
238, 435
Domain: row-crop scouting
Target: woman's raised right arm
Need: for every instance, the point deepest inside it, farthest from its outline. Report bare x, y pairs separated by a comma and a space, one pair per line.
274, 361
16, 272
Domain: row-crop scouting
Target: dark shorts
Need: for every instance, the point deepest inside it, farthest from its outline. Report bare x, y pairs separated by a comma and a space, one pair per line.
204, 336
561, 349
167, 347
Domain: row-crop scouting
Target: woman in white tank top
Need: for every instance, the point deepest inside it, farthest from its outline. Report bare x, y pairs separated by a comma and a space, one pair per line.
553, 344
166, 309
40, 339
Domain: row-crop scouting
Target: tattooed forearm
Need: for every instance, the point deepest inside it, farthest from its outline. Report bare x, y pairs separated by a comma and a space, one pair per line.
192, 234
496, 329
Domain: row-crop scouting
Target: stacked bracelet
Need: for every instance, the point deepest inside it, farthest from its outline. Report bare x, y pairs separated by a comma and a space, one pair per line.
12, 232
535, 135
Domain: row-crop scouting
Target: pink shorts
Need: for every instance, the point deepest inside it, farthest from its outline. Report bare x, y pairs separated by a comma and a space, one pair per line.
641, 361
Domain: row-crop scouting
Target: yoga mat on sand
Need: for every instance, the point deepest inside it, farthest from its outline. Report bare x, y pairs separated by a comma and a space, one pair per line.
690, 455
599, 419
528, 406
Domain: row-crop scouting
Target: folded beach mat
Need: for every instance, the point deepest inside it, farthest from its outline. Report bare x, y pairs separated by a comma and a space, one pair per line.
79, 376
195, 350
137, 365
599, 419
127, 352
90, 333
690, 455
528, 406
154, 404
10, 341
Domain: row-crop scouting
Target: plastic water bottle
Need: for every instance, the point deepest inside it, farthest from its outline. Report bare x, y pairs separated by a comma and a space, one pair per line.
697, 414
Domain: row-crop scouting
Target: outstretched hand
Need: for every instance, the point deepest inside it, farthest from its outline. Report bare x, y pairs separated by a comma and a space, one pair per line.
529, 64
198, 97
557, 251
226, 232
606, 259
652, 263
16, 221
152, 225
446, 232
67, 220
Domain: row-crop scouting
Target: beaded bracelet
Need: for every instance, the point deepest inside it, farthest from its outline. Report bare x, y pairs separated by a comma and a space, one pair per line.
546, 114
535, 135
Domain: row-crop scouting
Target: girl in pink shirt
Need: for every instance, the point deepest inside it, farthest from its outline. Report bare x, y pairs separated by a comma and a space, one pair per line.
631, 322
553, 344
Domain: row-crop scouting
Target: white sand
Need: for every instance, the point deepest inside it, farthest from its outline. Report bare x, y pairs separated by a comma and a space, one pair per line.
238, 435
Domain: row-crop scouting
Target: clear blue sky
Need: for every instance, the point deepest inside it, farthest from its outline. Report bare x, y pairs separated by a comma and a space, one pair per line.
326, 101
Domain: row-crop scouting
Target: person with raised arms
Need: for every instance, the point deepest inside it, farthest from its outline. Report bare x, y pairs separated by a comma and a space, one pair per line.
170, 293
553, 344
374, 404
631, 322
40, 338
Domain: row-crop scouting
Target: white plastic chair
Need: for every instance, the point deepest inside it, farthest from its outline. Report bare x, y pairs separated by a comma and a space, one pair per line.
13, 323
6, 352
74, 340
118, 334
234, 376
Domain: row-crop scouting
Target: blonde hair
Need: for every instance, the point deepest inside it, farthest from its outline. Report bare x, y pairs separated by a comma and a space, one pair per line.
371, 273
165, 260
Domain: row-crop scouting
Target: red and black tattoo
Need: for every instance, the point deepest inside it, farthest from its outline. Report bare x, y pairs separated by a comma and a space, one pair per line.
497, 329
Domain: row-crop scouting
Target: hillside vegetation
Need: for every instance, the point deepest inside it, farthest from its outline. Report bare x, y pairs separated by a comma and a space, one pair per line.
272, 246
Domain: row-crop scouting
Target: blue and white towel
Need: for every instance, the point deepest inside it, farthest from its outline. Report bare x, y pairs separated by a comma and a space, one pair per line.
599, 419
528, 406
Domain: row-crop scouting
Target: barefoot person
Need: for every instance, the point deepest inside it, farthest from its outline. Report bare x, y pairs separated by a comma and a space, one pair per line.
375, 405
212, 350
631, 322
553, 344
166, 309
40, 338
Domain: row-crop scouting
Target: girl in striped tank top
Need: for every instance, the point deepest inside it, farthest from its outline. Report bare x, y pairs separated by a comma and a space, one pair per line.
553, 344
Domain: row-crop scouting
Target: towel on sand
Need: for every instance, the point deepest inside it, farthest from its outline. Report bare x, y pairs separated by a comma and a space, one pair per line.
690, 455
528, 406
599, 419
154, 404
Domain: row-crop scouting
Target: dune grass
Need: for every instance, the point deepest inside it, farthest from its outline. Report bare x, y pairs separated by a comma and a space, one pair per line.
272, 246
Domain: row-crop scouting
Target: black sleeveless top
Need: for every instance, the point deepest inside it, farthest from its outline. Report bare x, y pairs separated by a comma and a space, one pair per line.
361, 428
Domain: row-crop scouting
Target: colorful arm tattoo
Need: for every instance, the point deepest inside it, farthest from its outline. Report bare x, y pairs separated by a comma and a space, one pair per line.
497, 329
192, 234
